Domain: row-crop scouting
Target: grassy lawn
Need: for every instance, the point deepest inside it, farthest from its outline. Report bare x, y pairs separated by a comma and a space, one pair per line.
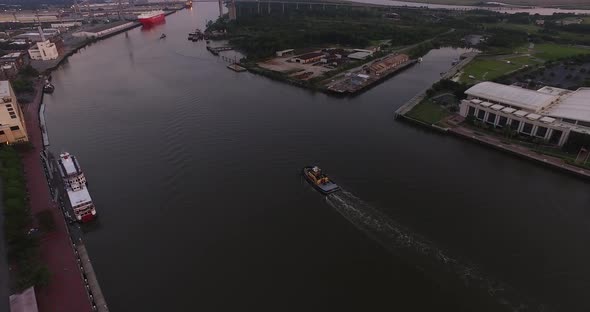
529, 28
550, 51
428, 112
490, 69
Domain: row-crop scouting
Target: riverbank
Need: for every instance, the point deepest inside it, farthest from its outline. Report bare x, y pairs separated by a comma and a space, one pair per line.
66, 290
452, 125
45, 67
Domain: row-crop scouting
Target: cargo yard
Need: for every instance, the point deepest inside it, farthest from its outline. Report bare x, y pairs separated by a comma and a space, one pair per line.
360, 78
314, 63
354, 69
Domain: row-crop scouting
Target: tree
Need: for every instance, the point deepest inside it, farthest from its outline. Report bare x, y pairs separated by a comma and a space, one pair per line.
29, 71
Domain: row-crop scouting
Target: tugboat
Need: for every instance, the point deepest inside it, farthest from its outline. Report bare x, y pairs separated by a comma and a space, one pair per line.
319, 180
48, 87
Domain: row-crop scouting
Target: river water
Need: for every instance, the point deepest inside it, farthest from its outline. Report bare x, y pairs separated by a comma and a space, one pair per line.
195, 173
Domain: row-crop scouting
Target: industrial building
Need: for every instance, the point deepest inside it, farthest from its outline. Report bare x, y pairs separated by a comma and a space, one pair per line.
10, 64
285, 52
551, 114
390, 62
66, 25
38, 36
360, 55
100, 31
16, 59
44, 51
308, 58
12, 122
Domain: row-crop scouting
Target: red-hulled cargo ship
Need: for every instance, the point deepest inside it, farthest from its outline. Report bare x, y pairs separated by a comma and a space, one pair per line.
76, 188
151, 18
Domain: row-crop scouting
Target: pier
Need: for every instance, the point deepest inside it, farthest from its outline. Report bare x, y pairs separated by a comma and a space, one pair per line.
237, 68
216, 50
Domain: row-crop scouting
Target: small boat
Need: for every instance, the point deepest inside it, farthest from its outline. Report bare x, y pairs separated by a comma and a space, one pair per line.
319, 180
48, 87
163, 36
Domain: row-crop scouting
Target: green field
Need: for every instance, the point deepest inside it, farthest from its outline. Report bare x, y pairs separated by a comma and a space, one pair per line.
490, 69
428, 112
482, 69
550, 52
529, 28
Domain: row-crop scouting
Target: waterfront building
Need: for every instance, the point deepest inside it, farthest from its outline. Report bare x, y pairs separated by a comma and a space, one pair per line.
44, 50
551, 114
102, 30
66, 25
38, 36
12, 121
387, 63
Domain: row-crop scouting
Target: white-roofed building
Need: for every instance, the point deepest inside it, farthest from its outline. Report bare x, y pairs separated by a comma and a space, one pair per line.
511, 95
551, 114
44, 50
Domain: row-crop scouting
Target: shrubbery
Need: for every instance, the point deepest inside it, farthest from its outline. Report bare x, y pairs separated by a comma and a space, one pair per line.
22, 241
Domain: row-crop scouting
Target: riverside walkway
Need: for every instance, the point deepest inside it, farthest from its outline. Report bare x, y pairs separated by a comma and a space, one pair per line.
66, 291
404, 109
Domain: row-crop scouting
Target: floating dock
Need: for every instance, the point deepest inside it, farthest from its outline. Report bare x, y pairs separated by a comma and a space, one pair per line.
216, 50
236, 68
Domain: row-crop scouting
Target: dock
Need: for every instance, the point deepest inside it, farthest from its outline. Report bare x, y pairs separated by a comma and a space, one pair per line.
216, 50
236, 68
95, 293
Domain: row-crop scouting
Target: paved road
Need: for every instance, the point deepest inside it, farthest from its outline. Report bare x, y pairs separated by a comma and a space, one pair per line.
4, 290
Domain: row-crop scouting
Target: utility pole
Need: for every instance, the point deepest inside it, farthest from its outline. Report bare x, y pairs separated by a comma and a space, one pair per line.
220, 8
76, 9
90, 14
119, 9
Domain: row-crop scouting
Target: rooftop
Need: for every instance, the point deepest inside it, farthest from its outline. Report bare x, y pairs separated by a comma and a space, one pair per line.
69, 163
11, 55
360, 55
309, 55
79, 197
24, 302
511, 95
103, 27
4, 88
575, 105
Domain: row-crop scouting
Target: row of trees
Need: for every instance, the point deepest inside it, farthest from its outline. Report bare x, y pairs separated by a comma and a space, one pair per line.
259, 36
22, 239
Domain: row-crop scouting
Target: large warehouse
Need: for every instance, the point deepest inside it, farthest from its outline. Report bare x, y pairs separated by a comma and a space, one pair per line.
552, 114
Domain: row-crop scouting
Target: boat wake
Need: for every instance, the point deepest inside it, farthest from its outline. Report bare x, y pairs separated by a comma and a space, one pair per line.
434, 262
